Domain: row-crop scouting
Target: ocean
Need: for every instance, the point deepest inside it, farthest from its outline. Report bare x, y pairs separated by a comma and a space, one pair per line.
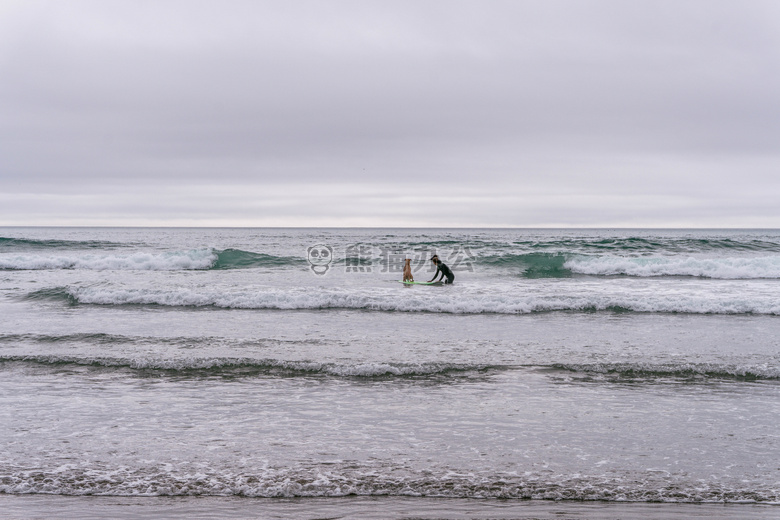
276, 373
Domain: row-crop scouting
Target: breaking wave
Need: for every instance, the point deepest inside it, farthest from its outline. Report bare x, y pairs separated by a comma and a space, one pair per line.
685, 371
721, 268
339, 479
196, 259
565, 265
233, 367
251, 367
443, 300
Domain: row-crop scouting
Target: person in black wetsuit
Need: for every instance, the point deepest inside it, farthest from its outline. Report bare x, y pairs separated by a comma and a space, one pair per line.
443, 269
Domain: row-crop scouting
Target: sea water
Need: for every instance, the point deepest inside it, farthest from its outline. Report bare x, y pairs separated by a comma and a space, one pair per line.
290, 364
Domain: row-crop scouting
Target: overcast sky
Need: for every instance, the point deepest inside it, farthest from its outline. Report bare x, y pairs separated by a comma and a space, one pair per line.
419, 113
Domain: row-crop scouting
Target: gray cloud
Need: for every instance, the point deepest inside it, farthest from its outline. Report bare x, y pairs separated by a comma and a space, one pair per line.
491, 113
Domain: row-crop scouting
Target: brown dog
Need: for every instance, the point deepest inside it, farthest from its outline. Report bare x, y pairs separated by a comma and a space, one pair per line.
408, 271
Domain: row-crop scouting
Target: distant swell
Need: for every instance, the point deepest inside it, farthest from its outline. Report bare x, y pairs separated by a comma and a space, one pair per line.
679, 244
659, 244
27, 244
196, 259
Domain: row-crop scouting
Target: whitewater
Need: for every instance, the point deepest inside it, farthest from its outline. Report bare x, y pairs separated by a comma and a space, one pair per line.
289, 370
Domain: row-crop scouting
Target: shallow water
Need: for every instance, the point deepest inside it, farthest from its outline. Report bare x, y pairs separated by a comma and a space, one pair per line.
218, 363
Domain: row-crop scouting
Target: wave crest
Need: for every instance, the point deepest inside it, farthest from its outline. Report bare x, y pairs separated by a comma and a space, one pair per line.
500, 301
339, 479
27, 244
532, 265
251, 367
238, 259
565, 265
196, 259
728, 268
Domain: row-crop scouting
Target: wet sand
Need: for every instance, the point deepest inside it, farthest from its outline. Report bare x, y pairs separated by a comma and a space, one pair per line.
193, 508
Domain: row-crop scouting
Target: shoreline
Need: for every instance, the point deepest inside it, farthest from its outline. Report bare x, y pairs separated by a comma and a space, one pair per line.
361, 507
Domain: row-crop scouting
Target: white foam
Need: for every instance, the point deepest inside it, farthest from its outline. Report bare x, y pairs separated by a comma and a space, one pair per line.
669, 297
337, 479
144, 261
722, 268
368, 369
